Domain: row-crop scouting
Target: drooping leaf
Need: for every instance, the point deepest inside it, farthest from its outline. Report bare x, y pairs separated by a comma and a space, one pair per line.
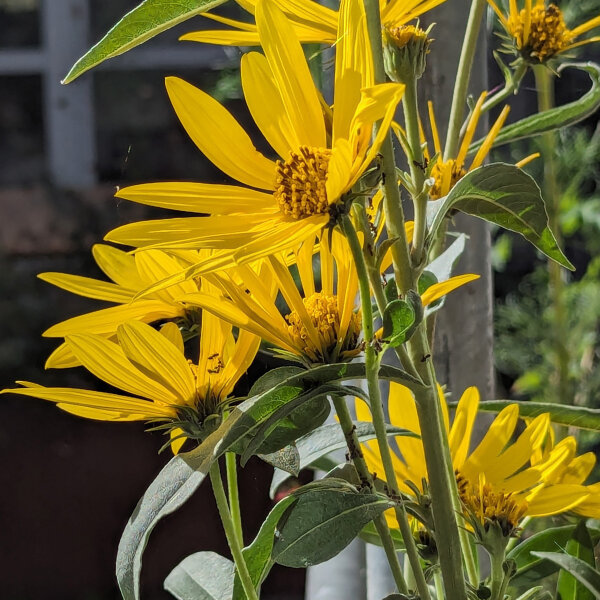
201, 576
327, 515
273, 378
507, 196
554, 118
146, 20
581, 417
580, 545
258, 554
530, 568
327, 439
580, 570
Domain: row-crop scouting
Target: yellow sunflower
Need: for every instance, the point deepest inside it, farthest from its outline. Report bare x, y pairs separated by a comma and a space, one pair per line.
161, 383
311, 22
289, 200
130, 275
501, 480
321, 322
447, 173
538, 32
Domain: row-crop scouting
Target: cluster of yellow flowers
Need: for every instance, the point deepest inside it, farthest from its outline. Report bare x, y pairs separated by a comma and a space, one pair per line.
264, 259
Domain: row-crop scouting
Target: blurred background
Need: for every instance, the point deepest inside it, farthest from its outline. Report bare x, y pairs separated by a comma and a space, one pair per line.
69, 485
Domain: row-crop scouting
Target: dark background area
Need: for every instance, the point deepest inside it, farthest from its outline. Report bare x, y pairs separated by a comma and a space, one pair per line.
68, 485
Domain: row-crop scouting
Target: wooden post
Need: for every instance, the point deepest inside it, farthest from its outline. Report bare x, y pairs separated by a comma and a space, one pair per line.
464, 332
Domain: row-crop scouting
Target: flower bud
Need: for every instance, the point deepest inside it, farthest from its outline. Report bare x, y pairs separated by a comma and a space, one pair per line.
405, 49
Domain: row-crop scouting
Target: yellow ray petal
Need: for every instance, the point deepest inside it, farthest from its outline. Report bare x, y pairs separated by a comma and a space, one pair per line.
61, 358
223, 37
437, 290
219, 136
266, 105
489, 139
88, 287
97, 400
579, 469
291, 73
158, 358
106, 320
178, 439
107, 361
173, 334
584, 27
462, 426
246, 348
555, 499
155, 265
353, 66
197, 197
99, 415
118, 265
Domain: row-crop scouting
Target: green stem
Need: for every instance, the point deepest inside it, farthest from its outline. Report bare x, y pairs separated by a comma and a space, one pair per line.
229, 527
372, 363
510, 87
544, 81
233, 494
515, 540
496, 576
357, 457
442, 481
416, 165
461, 86
439, 585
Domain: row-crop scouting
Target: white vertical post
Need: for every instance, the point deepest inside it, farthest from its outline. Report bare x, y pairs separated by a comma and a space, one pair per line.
69, 112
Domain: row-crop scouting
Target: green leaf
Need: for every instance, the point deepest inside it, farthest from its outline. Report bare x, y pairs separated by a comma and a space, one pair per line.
426, 280
555, 118
146, 20
287, 459
201, 576
530, 568
573, 416
398, 318
326, 517
327, 439
370, 535
580, 545
580, 570
258, 554
273, 378
507, 196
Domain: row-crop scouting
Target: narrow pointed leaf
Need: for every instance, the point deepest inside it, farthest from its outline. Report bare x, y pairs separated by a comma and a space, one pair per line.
506, 196
580, 545
201, 576
581, 417
146, 20
580, 570
258, 554
555, 118
325, 518
530, 567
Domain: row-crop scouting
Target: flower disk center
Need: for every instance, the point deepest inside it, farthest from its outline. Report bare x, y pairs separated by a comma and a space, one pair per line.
324, 316
300, 183
446, 176
490, 505
548, 35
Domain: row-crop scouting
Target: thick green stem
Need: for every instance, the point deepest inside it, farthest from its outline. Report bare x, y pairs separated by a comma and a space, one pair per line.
229, 527
363, 472
439, 585
544, 81
372, 363
416, 165
461, 86
496, 577
233, 494
442, 482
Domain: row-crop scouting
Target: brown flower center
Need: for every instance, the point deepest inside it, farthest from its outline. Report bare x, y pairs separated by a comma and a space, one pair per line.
325, 318
490, 505
446, 176
548, 35
300, 183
